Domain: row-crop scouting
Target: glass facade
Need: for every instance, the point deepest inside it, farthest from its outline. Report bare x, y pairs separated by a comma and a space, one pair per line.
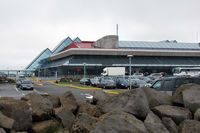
77, 40
36, 62
73, 65
62, 45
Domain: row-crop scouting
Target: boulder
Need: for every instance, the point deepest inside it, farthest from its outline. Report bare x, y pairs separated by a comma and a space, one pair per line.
66, 116
189, 126
99, 96
6, 122
83, 123
177, 98
12, 131
2, 130
62, 131
85, 107
48, 126
134, 102
17, 110
157, 98
42, 108
178, 114
154, 125
68, 101
197, 115
170, 125
118, 122
55, 100
191, 98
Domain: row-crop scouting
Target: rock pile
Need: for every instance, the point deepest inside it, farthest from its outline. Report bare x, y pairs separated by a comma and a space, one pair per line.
142, 110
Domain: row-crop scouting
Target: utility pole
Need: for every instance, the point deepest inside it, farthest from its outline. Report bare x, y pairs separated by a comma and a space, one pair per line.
130, 56
84, 71
117, 29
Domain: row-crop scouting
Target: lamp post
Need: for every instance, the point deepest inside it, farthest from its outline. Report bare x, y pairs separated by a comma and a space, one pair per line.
84, 71
130, 56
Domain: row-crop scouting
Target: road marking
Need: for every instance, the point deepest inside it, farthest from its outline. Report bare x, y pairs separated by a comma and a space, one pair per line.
74, 86
38, 83
19, 90
112, 92
89, 96
41, 93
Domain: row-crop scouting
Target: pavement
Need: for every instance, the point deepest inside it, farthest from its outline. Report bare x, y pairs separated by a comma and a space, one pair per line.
51, 88
45, 88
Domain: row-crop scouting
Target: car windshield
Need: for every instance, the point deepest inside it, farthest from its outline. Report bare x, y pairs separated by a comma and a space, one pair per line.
141, 82
108, 78
27, 82
122, 80
157, 74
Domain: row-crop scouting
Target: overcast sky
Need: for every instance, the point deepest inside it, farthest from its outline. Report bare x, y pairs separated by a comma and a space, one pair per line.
29, 26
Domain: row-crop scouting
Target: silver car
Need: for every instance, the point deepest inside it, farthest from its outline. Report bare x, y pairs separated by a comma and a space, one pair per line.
26, 84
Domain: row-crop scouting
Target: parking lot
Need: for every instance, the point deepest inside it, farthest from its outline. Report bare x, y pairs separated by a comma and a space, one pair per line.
45, 88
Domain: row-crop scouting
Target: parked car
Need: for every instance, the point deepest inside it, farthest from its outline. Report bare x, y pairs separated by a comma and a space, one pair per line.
94, 81
19, 81
85, 81
121, 83
146, 79
26, 84
135, 83
139, 74
170, 84
107, 82
155, 76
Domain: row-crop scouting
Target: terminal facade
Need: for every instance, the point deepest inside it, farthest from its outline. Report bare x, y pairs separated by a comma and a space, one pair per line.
70, 57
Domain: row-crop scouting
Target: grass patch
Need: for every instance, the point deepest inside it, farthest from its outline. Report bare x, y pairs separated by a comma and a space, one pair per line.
117, 91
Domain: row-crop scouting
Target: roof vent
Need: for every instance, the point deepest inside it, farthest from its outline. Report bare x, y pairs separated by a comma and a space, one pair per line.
174, 41
168, 41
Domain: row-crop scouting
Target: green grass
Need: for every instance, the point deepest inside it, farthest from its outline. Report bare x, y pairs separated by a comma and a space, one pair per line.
120, 91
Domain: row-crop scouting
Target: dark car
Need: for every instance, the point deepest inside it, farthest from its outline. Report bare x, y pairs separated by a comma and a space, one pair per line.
146, 79
107, 82
121, 83
135, 83
26, 84
94, 81
170, 84
85, 81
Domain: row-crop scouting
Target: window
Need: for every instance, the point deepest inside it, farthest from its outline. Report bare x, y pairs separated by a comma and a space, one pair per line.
167, 85
157, 85
182, 81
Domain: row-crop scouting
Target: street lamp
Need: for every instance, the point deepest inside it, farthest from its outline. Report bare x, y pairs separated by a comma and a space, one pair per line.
84, 71
130, 56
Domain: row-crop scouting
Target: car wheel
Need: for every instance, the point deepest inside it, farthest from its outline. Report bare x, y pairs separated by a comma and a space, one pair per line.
21, 88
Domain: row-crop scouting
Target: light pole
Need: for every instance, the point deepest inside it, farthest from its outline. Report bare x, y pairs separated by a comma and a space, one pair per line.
84, 71
130, 56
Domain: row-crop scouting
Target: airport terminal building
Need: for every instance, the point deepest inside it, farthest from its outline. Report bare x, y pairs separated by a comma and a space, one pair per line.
70, 57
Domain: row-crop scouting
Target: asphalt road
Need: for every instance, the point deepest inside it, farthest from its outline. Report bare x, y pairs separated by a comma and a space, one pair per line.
10, 90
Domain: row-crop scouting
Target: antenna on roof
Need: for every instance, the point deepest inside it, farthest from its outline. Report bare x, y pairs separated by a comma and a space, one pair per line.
197, 37
117, 29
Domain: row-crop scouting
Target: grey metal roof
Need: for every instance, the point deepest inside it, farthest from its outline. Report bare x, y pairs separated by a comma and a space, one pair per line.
158, 45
